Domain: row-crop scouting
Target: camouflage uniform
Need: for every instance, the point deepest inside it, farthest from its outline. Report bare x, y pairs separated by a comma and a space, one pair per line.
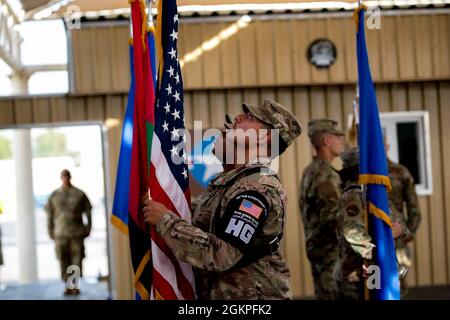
241, 216
354, 241
65, 208
403, 193
319, 195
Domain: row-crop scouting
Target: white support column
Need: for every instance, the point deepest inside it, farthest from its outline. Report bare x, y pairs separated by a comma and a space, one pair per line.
25, 206
19, 82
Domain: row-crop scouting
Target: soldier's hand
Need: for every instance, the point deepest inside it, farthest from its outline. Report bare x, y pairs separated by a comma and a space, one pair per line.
365, 271
153, 211
396, 229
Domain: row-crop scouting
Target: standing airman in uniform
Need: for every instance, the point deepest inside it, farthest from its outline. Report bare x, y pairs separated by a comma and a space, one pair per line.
65, 209
320, 191
355, 244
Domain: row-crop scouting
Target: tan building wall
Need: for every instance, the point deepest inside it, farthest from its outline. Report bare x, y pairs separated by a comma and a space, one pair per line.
272, 53
432, 246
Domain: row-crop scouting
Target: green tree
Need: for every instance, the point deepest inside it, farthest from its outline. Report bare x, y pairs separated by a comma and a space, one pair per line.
5, 148
50, 144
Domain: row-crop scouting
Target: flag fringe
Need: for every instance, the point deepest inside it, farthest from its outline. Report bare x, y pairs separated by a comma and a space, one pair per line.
375, 179
119, 224
356, 14
144, 21
159, 48
158, 296
380, 214
141, 290
142, 264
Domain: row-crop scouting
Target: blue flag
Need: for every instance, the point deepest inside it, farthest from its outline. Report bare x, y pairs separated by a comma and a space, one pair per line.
119, 216
374, 173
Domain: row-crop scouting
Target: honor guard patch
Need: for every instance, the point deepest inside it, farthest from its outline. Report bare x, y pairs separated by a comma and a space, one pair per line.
243, 218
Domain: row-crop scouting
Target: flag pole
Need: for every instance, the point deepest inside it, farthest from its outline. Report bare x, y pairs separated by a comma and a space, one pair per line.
363, 187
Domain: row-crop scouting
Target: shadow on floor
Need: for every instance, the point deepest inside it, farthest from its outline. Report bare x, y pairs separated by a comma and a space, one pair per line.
429, 293
90, 289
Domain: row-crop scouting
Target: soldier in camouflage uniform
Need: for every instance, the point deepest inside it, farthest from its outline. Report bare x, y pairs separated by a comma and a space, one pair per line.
65, 209
233, 240
356, 247
403, 195
319, 194
354, 241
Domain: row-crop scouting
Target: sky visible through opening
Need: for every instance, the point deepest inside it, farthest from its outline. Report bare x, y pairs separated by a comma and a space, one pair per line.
44, 42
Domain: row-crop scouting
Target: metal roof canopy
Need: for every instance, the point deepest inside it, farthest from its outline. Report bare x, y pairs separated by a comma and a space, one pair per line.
45, 9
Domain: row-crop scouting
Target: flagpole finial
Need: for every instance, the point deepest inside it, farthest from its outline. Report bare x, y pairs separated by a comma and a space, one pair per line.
150, 24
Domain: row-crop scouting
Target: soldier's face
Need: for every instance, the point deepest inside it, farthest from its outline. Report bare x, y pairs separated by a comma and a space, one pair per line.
337, 144
249, 130
65, 179
246, 121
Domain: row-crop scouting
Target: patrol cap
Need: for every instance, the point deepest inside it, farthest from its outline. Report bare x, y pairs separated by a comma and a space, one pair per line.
350, 157
323, 125
229, 121
278, 117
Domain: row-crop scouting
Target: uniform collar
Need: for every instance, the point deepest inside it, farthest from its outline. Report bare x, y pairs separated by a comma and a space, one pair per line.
230, 175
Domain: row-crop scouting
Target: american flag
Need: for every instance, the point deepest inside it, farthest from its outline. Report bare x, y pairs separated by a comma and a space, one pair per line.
250, 208
169, 183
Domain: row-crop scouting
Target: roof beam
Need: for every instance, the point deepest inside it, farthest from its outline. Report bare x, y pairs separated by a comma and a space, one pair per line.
9, 39
17, 16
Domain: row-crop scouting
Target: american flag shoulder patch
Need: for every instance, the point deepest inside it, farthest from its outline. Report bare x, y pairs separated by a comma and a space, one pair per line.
251, 208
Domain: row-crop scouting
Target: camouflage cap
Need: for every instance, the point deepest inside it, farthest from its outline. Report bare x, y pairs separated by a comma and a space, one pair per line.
229, 121
350, 157
323, 125
278, 117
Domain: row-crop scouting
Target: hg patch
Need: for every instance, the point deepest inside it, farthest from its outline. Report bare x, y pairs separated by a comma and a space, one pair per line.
244, 216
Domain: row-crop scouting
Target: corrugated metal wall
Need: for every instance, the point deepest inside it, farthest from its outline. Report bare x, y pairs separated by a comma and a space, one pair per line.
432, 246
272, 53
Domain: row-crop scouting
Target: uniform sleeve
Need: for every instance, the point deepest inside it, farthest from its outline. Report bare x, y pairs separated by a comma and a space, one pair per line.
198, 248
87, 211
50, 216
329, 192
412, 203
352, 225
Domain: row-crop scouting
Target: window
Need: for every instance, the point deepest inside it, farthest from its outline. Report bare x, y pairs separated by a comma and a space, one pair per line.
408, 137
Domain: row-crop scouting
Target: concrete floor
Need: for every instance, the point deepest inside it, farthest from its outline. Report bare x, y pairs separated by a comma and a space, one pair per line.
93, 290
53, 290
429, 293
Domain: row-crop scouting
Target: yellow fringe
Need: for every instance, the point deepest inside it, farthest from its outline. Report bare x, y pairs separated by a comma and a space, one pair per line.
137, 284
141, 267
119, 224
356, 16
158, 296
159, 49
380, 214
142, 291
130, 41
151, 29
144, 22
375, 179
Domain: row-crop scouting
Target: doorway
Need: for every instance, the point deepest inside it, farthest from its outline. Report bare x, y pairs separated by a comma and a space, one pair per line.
80, 149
